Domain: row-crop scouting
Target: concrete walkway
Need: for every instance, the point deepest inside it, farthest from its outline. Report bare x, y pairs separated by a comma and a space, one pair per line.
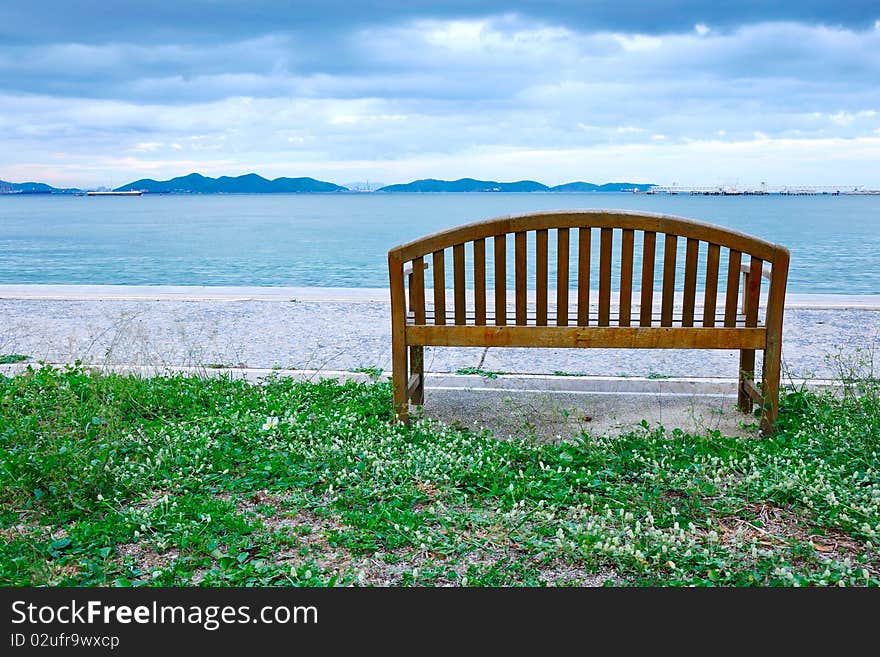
339, 330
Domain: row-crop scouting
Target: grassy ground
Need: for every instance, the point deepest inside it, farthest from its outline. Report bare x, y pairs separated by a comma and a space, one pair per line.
112, 480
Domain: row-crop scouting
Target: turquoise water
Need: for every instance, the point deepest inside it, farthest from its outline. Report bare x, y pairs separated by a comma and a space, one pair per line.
342, 240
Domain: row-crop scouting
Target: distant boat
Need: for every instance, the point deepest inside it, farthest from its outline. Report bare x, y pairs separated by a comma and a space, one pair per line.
131, 193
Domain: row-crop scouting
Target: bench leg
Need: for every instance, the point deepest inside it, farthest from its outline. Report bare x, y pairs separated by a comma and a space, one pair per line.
417, 368
399, 371
746, 372
770, 386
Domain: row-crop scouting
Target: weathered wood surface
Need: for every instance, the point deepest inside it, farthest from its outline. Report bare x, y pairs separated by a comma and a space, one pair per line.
622, 337
593, 322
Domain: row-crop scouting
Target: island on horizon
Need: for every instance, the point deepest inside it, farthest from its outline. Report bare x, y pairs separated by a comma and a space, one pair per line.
252, 183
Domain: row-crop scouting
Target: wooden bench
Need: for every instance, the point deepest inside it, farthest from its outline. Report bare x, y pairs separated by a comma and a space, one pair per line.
656, 309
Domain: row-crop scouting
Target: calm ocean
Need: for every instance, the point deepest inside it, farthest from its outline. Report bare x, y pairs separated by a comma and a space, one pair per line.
342, 240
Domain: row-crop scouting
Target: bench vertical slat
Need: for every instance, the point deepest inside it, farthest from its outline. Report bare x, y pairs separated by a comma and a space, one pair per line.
734, 260
500, 246
711, 295
753, 291
670, 248
562, 244
605, 244
646, 303
751, 299
520, 274
417, 290
541, 277
458, 277
626, 277
584, 276
439, 288
480, 282
690, 281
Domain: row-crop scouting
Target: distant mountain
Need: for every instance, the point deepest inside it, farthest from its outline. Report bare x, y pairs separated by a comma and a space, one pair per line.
607, 187
252, 183
613, 187
33, 188
575, 187
466, 185
249, 183
471, 185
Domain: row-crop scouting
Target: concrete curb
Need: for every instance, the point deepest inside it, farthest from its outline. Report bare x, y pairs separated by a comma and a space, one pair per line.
537, 383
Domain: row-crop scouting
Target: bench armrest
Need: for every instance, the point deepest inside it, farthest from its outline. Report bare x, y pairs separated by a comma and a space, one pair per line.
408, 268
408, 272
746, 268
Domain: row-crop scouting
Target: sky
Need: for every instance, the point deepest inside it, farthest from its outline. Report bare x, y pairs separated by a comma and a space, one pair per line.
100, 93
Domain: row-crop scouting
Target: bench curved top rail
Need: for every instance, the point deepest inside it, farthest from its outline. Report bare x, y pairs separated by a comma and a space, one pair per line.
646, 221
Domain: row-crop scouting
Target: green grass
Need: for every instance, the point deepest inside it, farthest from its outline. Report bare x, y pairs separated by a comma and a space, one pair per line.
486, 374
9, 359
373, 372
117, 480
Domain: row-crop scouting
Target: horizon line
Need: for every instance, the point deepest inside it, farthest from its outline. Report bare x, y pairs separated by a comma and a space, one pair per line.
673, 187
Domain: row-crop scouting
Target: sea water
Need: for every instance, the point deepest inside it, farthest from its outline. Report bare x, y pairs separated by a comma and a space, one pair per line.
342, 240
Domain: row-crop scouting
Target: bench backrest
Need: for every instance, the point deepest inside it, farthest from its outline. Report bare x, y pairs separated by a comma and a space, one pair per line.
635, 264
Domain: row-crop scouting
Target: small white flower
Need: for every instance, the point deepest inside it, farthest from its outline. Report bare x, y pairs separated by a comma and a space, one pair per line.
270, 423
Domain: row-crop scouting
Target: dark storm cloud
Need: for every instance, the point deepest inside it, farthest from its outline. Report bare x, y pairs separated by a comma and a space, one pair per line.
429, 60
181, 52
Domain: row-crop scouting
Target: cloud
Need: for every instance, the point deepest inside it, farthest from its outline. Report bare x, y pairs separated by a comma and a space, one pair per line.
205, 21
454, 60
146, 147
262, 85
